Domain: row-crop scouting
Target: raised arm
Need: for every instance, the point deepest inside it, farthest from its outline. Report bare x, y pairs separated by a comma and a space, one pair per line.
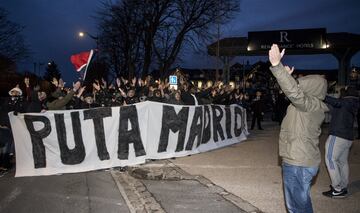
288, 84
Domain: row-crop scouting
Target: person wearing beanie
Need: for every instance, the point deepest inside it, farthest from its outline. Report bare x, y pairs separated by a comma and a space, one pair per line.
13, 103
339, 141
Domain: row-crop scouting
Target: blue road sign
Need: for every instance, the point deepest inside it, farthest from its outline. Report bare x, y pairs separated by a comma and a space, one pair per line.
173, 79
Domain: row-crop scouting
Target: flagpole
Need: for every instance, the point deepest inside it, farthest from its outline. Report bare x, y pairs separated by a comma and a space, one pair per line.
88, 63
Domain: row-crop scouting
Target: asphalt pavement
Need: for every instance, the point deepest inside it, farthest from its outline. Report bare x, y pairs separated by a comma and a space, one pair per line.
85, 192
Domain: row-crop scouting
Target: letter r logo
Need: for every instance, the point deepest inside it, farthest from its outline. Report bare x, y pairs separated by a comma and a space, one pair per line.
284, 37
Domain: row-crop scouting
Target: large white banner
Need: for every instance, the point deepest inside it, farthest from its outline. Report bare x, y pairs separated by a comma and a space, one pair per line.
90, 139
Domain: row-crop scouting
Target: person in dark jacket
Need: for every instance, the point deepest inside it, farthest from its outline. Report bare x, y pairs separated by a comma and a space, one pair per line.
157, 96
131, 97
88, 102
38, 100
340, 139
13, 103
186, 96
175, 98
257, 110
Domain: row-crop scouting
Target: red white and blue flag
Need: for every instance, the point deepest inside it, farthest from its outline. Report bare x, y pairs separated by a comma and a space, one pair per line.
81, 61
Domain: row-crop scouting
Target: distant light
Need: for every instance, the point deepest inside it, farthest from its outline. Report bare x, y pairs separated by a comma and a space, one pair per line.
232, 84
325, 46
248, 48
49, 63
81, 34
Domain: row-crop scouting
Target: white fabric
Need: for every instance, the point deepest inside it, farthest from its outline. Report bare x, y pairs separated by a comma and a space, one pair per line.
149, 117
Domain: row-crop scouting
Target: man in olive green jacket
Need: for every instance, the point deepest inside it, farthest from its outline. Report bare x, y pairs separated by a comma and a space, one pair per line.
60, 102
300, 131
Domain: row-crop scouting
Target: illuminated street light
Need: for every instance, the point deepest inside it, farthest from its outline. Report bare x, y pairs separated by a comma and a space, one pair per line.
82, 34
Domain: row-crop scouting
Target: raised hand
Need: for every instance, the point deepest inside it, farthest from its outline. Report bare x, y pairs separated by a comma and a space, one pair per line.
125, 81
140, 82
104, 83
55, 82
122, 93
81, 91
96, 86
118, 82
289, 70
133, 81
61, 83
76, 86
27, 81
275, 55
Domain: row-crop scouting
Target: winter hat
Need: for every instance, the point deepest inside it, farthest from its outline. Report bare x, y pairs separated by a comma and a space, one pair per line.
16, 89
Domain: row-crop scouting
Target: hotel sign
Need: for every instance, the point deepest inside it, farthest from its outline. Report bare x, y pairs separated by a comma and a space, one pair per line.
289, 39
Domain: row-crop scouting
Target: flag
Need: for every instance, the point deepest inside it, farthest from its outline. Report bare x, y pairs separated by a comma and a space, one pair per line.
81, 61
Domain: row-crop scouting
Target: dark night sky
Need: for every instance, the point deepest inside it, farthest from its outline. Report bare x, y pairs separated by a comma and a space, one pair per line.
52, 26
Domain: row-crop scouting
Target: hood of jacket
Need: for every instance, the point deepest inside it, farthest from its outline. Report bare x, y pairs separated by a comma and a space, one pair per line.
313, 85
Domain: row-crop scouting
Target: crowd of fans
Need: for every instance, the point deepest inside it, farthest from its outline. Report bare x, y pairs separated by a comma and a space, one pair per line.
124, 92
99, 93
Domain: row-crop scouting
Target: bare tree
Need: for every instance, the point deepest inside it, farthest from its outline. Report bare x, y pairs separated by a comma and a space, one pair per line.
134, 33
191, 23
121, 35
12, 45
155, 15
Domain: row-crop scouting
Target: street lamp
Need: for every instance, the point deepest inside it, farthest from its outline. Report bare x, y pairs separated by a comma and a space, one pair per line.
82, 34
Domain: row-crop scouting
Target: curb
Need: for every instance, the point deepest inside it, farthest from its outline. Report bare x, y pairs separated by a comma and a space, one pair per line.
139, 199
135, 194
